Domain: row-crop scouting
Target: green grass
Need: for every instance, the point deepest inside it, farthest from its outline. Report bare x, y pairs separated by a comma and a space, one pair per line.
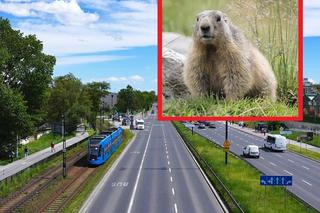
202, 106
303, 151
38, 145
241, 179
79, 199
20, 180
270, 25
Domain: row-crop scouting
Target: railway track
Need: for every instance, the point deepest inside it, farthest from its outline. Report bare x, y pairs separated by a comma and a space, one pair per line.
16, 201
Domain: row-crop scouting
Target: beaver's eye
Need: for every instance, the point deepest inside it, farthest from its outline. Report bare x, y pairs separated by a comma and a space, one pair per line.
198, 18
218, 18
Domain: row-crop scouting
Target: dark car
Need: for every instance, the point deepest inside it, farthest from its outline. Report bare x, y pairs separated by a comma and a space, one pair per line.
212, 125
207, 123
202, 126
125, 122
116, 118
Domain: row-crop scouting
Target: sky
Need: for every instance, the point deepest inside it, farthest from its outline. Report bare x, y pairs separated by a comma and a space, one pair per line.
311, 39
96, 40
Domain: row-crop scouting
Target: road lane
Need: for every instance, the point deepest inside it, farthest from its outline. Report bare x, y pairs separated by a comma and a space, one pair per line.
155, 174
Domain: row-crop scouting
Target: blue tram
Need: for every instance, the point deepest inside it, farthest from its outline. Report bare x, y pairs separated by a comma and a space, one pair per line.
100, 147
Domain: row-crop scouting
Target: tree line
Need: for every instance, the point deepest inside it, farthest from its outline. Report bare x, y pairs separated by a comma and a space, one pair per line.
31, 97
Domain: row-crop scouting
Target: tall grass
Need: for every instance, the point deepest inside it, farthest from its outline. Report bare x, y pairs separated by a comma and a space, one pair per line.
270, 24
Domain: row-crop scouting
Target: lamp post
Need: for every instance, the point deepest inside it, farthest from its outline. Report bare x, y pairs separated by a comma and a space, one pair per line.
64, 148
226, 152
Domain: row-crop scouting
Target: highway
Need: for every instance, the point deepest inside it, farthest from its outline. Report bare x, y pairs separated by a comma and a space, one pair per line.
305, 172
155, 173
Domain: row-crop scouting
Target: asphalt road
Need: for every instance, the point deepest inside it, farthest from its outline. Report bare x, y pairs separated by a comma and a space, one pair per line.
305, 172
155, 173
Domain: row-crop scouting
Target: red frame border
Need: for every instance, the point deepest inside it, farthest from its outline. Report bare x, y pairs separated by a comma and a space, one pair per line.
235, 118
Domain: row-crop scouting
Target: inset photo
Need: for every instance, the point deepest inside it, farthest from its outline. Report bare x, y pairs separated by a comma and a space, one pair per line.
230, 60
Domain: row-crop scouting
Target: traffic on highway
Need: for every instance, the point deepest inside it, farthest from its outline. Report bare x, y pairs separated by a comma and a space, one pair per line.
273, 159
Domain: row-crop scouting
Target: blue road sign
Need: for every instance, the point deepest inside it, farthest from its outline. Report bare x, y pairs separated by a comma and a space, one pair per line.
266, 180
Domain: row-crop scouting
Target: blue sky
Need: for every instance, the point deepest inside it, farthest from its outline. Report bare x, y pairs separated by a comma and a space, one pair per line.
96, 40
311, 40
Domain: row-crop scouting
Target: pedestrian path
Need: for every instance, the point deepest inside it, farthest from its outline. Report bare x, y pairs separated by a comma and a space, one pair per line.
19, 165
293, 142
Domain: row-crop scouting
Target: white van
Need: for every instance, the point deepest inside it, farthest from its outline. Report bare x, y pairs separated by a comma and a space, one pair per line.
140, 124
276, 142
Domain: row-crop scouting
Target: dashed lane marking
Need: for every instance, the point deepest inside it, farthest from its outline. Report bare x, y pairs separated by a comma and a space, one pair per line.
288, 172
307, 182
175, 208
272, 164
305, 167
172, 189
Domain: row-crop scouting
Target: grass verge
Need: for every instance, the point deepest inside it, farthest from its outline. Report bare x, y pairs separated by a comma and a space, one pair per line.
241, 179
303, 151
32, 172
79, 199
203, 106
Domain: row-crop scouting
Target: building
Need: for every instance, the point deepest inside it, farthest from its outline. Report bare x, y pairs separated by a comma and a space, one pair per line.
110, 100
309, 87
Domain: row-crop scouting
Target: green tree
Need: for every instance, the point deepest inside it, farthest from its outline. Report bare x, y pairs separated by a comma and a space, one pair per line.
68, 97
134, 100
14, 119
25, 68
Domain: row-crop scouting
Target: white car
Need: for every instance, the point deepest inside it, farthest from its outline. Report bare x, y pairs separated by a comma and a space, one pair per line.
251, 151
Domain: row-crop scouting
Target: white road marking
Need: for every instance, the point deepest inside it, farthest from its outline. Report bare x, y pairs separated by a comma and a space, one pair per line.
272, 164
291, 161
139, 173
306, 167
167, 157
170, 170
168, 162
262, 158
306, 182
288, 172
166, 152
172, 189
175, 208
279, 156
171, 179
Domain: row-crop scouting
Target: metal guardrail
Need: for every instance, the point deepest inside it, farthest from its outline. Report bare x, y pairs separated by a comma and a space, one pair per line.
226, 195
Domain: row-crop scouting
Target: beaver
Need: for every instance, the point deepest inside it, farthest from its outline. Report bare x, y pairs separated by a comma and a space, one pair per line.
223, 62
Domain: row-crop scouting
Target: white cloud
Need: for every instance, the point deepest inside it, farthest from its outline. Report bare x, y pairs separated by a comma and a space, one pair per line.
128, 79
66, 29
311, 18
65, 60
312, 81
67, 12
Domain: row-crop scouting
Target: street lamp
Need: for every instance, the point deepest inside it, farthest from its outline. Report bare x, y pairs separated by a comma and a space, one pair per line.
64, 148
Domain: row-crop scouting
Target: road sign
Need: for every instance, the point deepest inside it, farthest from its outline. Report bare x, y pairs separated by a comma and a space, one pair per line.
226, 145
266, 180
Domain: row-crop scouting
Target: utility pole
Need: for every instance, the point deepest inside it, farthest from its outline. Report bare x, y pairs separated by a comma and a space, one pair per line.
64, 148
225, 144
